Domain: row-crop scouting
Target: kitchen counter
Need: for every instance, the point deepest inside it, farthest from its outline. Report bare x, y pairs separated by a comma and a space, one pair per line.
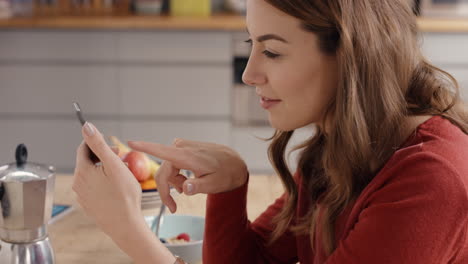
443, 25
223, 22
77, 240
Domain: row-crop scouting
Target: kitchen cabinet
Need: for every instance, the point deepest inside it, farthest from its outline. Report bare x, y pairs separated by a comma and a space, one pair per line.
146, 83
248, 141
42, 45
446, 48
50, 140
461, 74
164, 131
196, 47
48, 89
448, 51
175, 90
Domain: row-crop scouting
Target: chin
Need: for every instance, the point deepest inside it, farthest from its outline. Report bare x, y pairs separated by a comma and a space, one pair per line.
283, 126
289, 124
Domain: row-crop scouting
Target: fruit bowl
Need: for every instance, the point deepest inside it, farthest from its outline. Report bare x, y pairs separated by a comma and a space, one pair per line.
151, 201
173, 225
144, 169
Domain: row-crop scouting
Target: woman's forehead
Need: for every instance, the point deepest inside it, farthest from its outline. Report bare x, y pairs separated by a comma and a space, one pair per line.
262, 18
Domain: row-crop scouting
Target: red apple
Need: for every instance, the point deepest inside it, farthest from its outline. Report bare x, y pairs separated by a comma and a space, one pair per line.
139, 164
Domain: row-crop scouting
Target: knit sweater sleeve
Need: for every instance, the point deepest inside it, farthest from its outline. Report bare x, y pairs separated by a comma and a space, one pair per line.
231, 238
418, 216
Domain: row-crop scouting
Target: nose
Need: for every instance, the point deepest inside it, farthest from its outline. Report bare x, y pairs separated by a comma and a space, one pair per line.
253, 75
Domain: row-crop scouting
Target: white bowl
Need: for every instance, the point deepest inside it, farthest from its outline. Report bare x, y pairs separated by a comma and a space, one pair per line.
173, 225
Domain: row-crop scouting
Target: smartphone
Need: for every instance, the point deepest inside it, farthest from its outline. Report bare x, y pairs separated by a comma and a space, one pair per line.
79, 114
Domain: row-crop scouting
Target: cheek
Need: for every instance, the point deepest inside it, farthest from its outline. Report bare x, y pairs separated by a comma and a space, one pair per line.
301, 90
304, 95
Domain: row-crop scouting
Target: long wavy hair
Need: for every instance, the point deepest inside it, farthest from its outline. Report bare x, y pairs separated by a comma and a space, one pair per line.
383, 78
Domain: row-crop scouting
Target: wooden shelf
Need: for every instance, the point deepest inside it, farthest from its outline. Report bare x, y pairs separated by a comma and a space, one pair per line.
216, 22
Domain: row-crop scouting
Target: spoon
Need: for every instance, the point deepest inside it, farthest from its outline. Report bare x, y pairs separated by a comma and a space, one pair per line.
157, 223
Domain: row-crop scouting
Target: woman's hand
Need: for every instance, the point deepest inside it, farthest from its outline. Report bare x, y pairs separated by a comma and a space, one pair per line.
217, 168
108, 193
111, 196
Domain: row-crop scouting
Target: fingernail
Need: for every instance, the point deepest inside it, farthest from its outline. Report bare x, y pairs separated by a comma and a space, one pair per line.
132, 142
89, 129
190, 188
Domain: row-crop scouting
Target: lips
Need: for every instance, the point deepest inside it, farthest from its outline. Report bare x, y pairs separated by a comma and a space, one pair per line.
267, 103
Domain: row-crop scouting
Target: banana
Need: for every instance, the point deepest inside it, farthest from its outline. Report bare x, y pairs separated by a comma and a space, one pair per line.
123, 149
154, 167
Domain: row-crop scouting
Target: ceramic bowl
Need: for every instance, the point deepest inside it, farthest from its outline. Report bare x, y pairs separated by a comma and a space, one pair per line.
173, 225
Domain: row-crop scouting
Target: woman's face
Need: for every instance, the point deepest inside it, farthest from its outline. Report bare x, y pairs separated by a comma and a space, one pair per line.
293, 78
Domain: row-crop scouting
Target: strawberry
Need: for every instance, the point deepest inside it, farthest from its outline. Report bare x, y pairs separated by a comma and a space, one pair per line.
184, 236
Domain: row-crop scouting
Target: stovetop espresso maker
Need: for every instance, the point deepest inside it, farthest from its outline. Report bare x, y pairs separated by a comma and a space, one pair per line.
26, 200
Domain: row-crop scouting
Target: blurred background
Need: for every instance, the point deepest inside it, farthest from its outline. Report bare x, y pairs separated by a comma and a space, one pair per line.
154, 70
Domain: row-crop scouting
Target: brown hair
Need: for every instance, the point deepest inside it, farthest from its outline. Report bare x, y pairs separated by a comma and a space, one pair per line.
383, 79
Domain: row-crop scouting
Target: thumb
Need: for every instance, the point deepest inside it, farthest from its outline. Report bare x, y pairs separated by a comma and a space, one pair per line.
193, 186
97, 143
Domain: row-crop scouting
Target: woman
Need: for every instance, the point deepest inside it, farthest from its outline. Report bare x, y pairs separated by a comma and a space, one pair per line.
383, 180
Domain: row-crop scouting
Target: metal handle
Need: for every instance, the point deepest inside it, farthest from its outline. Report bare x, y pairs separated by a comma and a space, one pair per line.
157, 223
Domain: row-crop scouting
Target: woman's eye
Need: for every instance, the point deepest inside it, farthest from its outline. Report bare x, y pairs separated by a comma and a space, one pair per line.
270, 55
267, 53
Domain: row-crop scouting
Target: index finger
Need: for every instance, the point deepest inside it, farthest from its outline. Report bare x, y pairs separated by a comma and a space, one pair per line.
179, 157
162, 176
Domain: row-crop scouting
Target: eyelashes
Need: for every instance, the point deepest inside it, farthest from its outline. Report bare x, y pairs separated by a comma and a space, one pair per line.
270, 55
267, 53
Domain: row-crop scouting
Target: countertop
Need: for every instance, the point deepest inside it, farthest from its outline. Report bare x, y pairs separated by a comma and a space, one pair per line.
77, 240
218, 22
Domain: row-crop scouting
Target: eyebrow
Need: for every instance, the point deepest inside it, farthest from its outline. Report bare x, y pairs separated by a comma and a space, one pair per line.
269, 37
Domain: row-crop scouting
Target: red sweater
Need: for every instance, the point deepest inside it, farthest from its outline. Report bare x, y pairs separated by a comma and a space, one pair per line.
414, 211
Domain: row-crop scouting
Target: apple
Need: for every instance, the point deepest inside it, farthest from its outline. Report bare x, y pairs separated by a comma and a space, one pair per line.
139, 164
142, 167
